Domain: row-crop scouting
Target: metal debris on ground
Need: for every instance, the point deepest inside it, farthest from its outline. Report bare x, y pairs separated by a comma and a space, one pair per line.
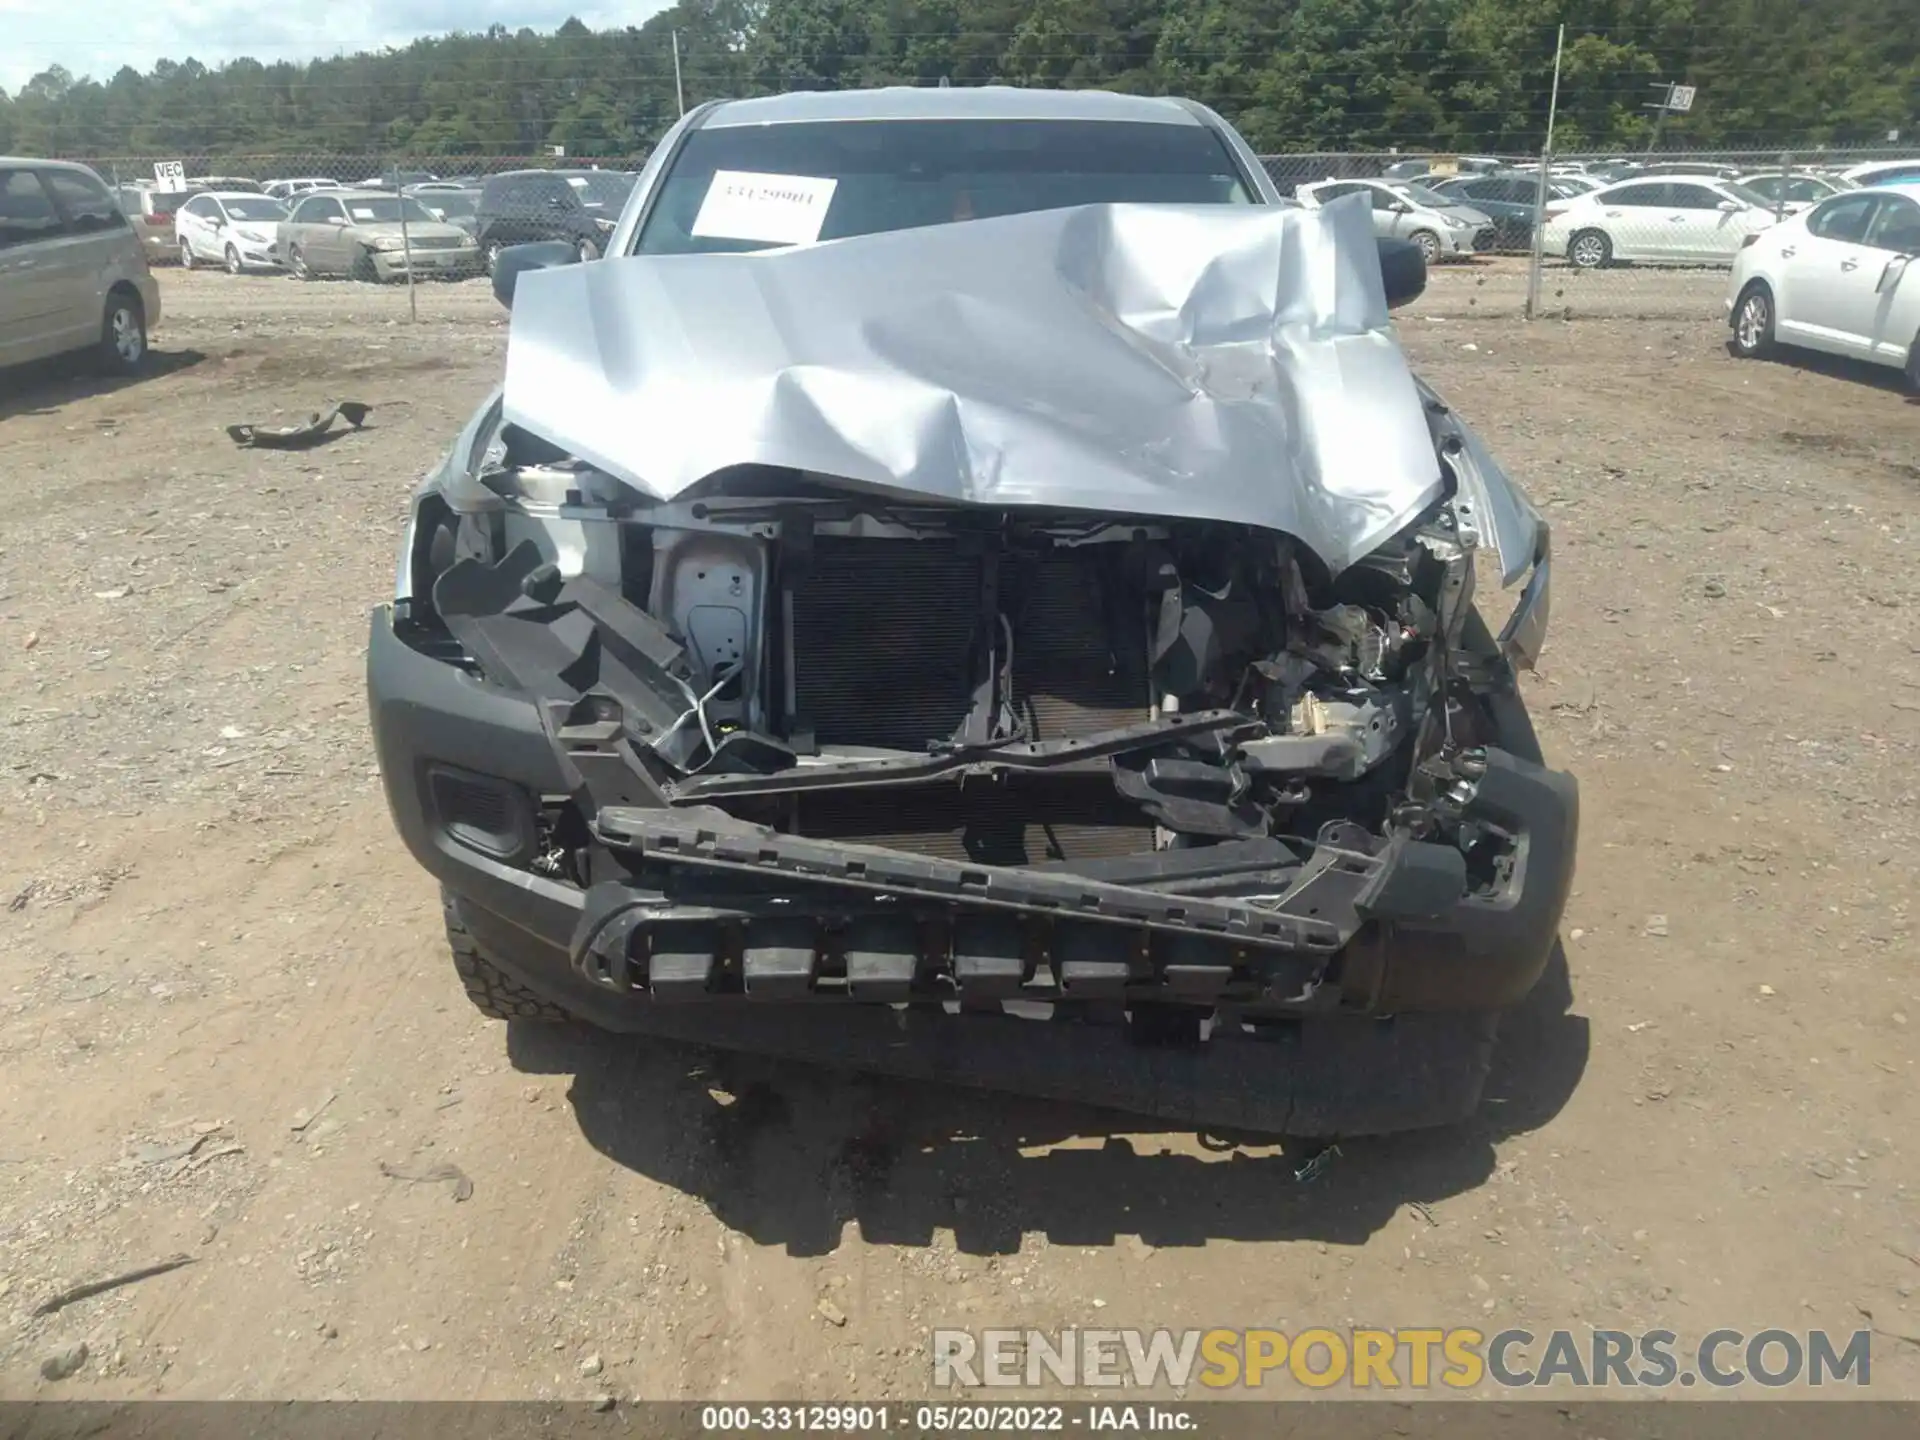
433, 1174
1424, 1211
160, 1153
303, 1118
299, 437
112, 1282
1316, 1163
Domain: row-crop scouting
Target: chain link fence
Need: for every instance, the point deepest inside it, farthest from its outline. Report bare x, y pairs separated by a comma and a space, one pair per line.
1605, 235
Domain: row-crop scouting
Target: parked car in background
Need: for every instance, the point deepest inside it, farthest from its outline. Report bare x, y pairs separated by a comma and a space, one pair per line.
359, 233
226, 184
1882, 172
454, 205
1688, 168
1438, 224
150, 210
1698, 221
73, 270
400, 180
1421, 165
578, 207
285, 190
1508, 199
1608, 171
229, 228
1842, 277
1796, 189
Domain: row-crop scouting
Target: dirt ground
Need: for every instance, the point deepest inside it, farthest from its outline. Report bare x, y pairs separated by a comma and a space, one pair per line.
210, 938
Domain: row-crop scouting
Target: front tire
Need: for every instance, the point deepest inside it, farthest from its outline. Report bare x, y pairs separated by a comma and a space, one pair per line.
1753, 322
1913, 367
1589, 250
494, 993
234, 264
362, 269
123, 335
585, 250
1429, 245
297, 262
492, 255
186, 254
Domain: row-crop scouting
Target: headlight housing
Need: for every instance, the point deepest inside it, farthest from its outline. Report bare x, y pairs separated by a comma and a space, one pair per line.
389, 242
604, 223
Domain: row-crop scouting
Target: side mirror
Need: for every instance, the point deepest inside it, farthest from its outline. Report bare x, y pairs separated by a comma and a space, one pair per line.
516, 259
1401, 207
1731, 207
1403, 271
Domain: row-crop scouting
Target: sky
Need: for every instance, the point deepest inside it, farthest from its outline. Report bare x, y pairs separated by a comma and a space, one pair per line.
97, 37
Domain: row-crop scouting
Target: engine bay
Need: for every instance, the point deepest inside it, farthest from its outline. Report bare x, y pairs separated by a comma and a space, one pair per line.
1019, 688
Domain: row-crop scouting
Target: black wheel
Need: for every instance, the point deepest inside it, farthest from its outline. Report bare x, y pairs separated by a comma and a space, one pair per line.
186, 254
297, 262
123, 334
1753, 322
1429, 244
1589, 250
492, 255
1913, 367
493, 992
234, 266
586, 250
362, 269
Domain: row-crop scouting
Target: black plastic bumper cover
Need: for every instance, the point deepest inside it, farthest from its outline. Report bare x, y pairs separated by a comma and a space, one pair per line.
1437, 976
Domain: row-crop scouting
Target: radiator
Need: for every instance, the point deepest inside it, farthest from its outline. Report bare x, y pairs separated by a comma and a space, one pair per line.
1080, 648
883, 634
886, 652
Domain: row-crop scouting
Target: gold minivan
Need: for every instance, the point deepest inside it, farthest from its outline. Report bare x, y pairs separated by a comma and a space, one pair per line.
73, 274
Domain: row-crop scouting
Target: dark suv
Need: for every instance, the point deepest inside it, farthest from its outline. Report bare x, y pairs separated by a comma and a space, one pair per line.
576, 206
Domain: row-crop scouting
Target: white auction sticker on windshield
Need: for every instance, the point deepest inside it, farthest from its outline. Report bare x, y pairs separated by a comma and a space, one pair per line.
772, 209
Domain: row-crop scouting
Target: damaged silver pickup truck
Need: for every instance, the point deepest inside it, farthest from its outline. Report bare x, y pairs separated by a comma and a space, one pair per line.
970, 588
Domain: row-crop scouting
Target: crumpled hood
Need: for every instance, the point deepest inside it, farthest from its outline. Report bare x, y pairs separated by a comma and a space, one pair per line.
1195, 362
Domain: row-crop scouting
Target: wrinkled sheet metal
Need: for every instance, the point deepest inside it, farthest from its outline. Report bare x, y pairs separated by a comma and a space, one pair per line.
1194, 362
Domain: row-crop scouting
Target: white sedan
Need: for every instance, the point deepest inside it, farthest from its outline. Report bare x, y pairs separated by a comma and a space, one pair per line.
1843, 277
1440, 225
234, 230
1673, 220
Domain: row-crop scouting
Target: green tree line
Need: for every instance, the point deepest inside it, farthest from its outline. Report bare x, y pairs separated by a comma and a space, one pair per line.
1466, 75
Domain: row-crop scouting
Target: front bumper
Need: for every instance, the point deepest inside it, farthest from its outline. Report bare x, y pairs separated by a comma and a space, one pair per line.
693, 906
460, 260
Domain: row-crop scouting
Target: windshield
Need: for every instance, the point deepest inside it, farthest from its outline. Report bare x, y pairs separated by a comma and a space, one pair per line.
384, 209
251, 207
1746, 196
862, 177
1421, 195
608, 188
